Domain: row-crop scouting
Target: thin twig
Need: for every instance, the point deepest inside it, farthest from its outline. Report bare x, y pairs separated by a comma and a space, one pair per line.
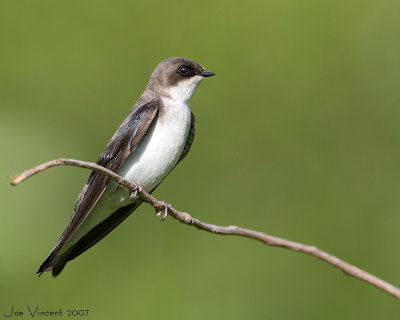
186, 218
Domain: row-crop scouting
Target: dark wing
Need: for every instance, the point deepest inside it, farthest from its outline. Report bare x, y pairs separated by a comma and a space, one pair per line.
189, 139
124, 141
93, 236
106, 226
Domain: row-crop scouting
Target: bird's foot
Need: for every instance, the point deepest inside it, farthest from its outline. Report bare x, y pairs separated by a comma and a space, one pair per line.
133, 194
162, 208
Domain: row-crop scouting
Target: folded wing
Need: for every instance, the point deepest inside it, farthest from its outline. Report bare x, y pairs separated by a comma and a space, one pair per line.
124, 141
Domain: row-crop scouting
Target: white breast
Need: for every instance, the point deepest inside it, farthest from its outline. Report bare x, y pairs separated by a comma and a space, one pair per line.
160, 148
155, 156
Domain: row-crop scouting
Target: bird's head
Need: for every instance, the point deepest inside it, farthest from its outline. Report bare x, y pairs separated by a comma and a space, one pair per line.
177, 78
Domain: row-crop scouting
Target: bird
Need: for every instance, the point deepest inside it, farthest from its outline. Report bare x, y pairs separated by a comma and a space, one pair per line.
155, 136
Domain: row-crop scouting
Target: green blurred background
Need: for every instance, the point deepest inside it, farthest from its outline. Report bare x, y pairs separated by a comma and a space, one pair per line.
298, 136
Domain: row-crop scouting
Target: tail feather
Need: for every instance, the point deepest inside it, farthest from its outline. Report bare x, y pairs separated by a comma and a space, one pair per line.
56, 262
47, 264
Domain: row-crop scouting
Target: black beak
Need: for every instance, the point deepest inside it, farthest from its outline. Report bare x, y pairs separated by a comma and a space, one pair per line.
207, 74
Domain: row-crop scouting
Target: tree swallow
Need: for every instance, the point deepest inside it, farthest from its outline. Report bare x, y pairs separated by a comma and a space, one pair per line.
157, 134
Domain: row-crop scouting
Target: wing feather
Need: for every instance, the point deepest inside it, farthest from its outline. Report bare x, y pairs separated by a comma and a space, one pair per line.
189, 139
124, 141
106, 226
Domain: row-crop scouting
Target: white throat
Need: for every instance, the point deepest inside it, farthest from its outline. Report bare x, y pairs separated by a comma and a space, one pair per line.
184, 90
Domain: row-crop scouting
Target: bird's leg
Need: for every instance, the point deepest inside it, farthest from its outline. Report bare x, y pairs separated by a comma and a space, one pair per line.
133, 194
162, 207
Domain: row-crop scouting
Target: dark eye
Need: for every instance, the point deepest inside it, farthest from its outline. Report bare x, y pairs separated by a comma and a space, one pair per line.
184, 70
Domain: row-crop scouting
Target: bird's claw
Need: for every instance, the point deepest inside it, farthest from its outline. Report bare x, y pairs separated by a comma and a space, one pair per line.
133, 194
163, 208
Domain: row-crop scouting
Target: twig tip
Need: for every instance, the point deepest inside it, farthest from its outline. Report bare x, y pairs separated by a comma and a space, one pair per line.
15, 179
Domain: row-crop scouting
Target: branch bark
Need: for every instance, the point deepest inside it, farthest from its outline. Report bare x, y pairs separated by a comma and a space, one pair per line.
163, 207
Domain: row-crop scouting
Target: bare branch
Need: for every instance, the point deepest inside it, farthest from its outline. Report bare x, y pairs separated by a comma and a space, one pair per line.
164, 208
